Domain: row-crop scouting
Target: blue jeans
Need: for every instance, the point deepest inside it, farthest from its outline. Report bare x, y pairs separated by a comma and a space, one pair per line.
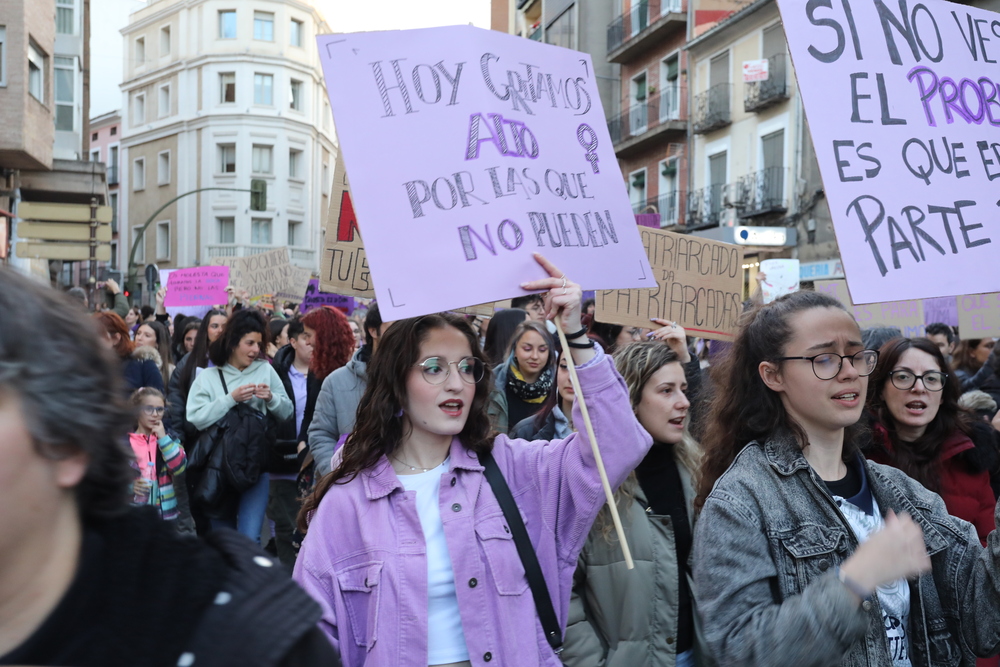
250, 515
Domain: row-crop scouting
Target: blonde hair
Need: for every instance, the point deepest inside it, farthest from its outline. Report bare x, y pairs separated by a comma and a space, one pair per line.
637, 363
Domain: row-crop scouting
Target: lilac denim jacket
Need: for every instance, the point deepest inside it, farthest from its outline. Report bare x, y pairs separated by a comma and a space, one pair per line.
364, 559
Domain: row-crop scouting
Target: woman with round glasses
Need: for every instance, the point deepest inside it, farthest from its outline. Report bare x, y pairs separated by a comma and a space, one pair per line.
920, 429
407, 550
806, 554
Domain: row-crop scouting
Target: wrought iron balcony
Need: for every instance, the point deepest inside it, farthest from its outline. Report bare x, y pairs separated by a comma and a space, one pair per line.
669, 206
711, 108
762, 192
649, 114
760, 95
705, 206
645, 19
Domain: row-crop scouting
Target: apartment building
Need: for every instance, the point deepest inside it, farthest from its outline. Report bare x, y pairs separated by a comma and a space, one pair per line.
217, 93
105, 146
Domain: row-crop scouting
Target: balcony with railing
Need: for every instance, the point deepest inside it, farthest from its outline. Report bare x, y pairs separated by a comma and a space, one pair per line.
706, 206
762, 192
536, 33
303, 257
711, 109
643, 27
648, 119
759, 95
669, 206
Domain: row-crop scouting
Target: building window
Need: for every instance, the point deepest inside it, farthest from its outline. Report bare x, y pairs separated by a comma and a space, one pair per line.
227, 24
295, 33
140, 109
3, 55
164, 106
227, 87
95, 155
294, 163
296, 96
113, 202
93, 137
562, 31
295, 237
140, 51
140, 252
163, 168
114, 131
637, 190
163, 240
114, 256
263, 89
263, 26
37, 67
227, 158
65, 92
260, 231
165, 41
227, 230
262, 159
326, 178
64, 17
138, 173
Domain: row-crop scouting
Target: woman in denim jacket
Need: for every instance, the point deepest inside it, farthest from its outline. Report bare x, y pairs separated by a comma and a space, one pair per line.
805, 554
407, 550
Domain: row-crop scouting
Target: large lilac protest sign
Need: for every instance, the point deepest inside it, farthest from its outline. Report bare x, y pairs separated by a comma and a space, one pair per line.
903, 100
197, 286
468, 150
943, 309
314, 298
907, 316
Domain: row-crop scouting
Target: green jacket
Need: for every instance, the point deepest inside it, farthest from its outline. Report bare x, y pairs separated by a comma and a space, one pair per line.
622, 618
121, 306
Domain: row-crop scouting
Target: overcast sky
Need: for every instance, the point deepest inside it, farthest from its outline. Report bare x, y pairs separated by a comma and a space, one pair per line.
110, 16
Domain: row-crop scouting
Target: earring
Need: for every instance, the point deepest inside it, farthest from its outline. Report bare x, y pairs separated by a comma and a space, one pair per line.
399, 414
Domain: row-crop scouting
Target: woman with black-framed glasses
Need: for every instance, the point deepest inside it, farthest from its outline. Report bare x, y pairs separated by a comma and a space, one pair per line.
920, 429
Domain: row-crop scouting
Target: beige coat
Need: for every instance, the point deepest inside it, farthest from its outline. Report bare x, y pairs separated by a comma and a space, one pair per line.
622, 618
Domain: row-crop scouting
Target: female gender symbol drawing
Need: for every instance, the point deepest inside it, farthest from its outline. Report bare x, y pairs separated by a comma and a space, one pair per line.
590, 143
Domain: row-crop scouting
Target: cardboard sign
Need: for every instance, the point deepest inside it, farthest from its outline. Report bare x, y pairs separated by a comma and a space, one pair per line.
979, 316
268, 273
942, 309
469, 150
345, 263
782, 277
902, 105
299, 281
908, 316
756, 70
314, 298
699, 285
198, 286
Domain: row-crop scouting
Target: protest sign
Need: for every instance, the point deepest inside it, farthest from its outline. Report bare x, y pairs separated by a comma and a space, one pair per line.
345, 263
979, 316
314, 298
469, 150
699, 285
907, 316
903, 109
267, 273
781, 277
197, 286
942, 309
482, 310
298, 283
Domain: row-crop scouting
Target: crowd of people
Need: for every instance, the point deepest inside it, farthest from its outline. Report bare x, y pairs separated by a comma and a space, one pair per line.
260, 487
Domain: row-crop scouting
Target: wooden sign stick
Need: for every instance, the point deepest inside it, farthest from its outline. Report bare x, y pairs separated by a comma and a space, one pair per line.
608, 493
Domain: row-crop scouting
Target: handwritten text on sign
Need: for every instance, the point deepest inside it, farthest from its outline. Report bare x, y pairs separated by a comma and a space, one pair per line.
699, 285
345, 263
904, 109
314, 298
908, 316
979, 316
269, 272
199, 286
468, 150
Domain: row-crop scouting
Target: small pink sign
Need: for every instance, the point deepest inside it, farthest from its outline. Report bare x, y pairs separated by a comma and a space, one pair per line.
198, 286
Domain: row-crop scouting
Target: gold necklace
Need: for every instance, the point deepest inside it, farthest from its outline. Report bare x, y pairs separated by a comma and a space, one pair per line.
416, 467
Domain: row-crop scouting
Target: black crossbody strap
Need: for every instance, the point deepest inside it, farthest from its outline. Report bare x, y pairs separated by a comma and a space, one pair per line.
225, 389
539, 590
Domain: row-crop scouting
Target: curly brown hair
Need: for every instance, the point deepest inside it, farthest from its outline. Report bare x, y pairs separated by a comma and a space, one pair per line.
334, 342
379, 429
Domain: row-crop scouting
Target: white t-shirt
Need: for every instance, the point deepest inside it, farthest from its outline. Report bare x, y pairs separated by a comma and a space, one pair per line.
445, 638
894, 598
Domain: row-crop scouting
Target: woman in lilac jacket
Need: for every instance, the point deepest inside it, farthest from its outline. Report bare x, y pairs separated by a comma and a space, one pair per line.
407, 551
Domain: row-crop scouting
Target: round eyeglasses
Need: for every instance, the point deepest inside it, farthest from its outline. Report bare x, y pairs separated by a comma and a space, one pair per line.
827, 366
436, 370
905, 380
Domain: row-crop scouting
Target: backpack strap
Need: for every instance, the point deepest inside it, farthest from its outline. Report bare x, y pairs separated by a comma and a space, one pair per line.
225, 389
533, 571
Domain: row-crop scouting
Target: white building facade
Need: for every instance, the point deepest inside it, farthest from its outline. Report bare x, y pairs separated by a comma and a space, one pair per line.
215, 94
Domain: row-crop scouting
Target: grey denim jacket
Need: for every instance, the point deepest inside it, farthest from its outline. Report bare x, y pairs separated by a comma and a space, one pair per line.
766, 548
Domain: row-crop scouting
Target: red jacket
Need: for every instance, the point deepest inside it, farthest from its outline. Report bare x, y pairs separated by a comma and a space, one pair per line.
966, 494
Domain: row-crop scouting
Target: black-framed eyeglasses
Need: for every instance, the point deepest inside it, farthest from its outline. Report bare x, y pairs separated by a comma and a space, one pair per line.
905, 380
151, 411
827, 366
436, 370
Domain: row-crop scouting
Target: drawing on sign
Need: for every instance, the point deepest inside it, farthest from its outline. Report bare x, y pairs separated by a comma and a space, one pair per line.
699, 286
902, 99
345, 263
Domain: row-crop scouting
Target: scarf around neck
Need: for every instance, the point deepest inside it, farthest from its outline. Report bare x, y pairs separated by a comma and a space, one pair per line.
535, 392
